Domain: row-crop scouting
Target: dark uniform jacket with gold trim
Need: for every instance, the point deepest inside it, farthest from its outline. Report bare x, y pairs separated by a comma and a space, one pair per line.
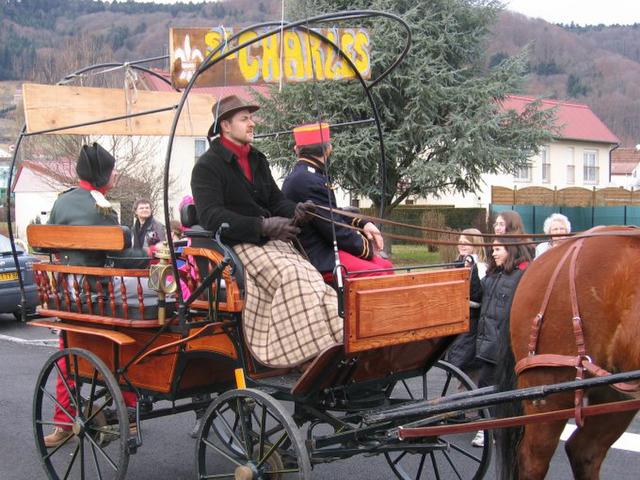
223, 194
308, 181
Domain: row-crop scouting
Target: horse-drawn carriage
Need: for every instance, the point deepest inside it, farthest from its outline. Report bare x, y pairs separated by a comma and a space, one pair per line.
384, 391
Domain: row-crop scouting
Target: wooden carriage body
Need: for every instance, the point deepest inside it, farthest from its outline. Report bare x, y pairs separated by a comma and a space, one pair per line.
396, 323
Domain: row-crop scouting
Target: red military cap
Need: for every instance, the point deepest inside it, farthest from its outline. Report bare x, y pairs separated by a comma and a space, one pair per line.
311, 134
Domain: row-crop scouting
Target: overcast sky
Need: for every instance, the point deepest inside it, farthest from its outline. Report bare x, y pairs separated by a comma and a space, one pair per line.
623, 12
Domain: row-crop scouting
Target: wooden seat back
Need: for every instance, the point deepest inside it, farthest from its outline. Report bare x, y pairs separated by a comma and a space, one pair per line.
396, 309
100, 295
53, 238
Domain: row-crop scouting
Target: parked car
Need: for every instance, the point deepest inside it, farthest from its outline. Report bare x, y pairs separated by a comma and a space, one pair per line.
9, 286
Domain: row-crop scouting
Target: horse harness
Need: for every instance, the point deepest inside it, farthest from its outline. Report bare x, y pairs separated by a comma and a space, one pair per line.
582, 361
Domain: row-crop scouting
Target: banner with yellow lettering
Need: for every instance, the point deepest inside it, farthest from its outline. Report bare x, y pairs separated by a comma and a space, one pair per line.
300, 57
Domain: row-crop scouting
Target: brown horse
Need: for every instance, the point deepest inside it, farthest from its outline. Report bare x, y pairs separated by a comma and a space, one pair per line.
607, 292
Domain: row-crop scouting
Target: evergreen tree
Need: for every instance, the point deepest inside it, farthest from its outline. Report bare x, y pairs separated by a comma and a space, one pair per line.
442, 121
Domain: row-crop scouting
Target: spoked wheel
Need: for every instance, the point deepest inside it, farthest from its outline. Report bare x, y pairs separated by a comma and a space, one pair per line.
446, 456
91, 408
248, 435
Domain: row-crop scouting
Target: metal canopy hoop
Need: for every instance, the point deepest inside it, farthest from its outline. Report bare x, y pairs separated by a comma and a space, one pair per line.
274, 28
278, 27
23, 133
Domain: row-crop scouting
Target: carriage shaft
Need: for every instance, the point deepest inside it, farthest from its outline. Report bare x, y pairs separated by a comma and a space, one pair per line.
424, 408
588, 411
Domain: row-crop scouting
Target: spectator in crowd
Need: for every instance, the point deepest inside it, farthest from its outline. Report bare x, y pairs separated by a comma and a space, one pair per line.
506, 266
462, 352
555, 224
509, 222
147, 231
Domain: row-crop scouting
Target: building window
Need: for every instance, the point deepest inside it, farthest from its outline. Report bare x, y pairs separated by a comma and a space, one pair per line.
409, 201
200, 146
590, 167
523, 174
546, 165
571, 167
354, 201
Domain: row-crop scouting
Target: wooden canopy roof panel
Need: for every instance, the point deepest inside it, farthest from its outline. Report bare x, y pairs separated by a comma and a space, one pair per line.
54, 106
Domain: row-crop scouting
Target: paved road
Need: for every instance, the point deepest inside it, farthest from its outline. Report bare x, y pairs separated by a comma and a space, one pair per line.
168, 451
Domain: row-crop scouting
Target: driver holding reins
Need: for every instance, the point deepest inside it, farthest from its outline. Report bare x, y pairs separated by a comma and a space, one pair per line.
290, 313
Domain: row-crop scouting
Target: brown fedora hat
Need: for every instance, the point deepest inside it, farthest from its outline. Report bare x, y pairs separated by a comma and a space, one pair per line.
226, 107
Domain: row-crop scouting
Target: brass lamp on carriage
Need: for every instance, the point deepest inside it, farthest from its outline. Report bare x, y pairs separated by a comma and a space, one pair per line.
161, 278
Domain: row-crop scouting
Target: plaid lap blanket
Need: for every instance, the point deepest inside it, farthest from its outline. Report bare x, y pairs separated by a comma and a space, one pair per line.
290, 314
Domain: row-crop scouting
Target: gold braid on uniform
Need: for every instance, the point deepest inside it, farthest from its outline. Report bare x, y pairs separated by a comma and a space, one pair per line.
102, 204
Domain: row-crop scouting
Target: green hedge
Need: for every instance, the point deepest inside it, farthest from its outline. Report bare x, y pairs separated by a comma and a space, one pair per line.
454, 218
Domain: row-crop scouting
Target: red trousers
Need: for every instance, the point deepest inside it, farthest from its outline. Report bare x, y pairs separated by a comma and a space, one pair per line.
62, 395
354, 264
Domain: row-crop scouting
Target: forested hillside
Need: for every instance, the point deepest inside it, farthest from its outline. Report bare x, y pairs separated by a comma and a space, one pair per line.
29, 29
596, 65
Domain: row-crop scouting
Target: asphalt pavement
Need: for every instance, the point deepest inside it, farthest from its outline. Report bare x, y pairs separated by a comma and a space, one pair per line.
168, 451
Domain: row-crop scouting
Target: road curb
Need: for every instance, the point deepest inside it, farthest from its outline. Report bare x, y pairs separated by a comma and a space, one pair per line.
45, 342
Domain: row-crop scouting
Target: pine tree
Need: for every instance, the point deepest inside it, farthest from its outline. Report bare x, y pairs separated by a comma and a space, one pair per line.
442, 122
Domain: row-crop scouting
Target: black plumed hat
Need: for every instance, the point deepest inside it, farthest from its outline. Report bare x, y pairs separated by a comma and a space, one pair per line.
95, 165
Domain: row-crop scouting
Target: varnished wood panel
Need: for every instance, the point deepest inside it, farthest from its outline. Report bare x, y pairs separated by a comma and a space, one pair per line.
99, 320
115, 336
103, 349
155, 372
219, 343
54, 106
66, 237
397, 309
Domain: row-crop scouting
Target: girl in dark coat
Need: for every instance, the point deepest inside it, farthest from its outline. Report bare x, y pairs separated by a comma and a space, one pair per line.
506, 266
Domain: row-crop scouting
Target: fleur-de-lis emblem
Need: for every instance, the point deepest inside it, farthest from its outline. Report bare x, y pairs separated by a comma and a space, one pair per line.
190, 59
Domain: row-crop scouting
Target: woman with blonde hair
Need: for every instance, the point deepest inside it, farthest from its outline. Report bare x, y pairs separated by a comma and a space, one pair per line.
470, 243
462, 352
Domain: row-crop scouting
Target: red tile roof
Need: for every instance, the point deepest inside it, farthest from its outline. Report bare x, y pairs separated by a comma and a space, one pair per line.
624, 161
575, 121
245, 92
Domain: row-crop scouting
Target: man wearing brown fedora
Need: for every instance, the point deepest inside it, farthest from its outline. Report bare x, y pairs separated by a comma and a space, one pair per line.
290, 314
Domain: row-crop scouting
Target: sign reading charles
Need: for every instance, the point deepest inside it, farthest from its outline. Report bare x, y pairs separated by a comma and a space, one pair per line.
289, 56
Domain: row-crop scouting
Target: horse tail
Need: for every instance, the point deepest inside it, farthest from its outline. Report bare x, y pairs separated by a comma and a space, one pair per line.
507, 438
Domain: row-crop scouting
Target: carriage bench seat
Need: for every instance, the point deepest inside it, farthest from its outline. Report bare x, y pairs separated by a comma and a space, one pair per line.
202, 255
101, 295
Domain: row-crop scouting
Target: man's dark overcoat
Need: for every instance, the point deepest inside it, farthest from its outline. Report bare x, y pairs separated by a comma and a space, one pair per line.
222, 194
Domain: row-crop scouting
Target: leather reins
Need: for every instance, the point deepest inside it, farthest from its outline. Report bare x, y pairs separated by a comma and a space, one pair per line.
427, 241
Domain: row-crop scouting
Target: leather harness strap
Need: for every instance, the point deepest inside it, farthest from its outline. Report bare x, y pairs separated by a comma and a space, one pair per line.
537, 321
581, 362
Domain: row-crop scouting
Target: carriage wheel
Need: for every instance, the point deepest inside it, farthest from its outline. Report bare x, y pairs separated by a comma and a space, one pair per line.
248, 435
96, 416
447, 456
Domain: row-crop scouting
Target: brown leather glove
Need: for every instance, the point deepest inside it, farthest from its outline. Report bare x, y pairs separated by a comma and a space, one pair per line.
303, 212
279, 228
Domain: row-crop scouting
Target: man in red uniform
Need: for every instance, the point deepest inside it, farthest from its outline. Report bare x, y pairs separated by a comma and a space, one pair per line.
358, 250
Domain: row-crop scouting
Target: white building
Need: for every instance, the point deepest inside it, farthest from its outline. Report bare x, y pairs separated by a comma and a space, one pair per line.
580, 156
624, 168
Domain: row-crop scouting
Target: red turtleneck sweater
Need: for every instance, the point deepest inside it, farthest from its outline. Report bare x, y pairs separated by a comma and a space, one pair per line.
242, 154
